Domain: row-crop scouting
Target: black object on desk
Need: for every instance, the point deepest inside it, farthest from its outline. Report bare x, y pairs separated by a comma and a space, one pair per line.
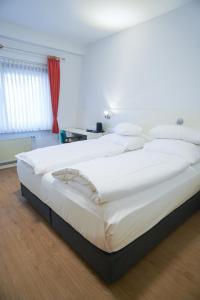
99, 128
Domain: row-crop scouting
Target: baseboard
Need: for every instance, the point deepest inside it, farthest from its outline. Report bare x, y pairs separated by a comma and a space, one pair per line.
8, 165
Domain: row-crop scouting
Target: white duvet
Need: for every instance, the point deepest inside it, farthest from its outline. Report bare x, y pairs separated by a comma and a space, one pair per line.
107, 179
51, 158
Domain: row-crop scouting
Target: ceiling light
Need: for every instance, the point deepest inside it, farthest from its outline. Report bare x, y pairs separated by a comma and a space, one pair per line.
111, 17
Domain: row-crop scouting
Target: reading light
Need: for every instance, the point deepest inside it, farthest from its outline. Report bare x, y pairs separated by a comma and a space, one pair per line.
107, 114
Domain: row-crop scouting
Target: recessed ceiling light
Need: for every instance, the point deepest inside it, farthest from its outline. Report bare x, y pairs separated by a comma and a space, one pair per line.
112, 17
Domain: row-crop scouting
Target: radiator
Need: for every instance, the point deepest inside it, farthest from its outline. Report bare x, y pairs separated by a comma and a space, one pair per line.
10, 147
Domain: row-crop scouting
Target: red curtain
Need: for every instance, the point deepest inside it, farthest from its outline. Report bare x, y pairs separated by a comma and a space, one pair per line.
54, 80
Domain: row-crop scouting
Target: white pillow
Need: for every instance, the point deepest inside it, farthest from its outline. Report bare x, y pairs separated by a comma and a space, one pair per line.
188, 151
129, 142
128, 129
178, 132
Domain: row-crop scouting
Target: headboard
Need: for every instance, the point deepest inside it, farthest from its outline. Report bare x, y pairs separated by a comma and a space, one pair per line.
150, 118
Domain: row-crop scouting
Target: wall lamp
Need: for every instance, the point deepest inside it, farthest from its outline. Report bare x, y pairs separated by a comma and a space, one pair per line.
108, 114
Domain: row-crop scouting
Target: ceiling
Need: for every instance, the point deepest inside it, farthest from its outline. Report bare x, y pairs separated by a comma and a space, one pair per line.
83, 20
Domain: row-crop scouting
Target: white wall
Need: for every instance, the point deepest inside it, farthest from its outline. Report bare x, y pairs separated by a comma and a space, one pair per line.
69, 90
148, 74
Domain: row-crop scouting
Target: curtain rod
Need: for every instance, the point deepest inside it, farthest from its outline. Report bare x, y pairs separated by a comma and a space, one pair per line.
31, 52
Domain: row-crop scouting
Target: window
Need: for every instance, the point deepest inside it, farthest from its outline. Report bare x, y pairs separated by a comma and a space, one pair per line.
25, 103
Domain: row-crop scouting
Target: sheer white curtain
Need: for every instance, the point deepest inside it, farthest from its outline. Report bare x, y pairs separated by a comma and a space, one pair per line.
25, 103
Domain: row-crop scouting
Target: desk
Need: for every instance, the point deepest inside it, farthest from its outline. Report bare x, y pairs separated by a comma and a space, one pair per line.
78, 134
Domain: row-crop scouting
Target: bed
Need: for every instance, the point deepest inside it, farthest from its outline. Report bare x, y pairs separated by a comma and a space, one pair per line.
111, 237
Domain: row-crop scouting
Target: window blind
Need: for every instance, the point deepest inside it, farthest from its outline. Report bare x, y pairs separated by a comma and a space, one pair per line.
25, 103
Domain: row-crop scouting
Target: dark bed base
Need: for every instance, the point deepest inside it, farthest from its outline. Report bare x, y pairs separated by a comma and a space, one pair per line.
111, 266
43, 209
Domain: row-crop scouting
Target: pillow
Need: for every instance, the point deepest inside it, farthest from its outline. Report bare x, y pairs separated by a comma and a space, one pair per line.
129, 142
128, 129
188, 151
178, 132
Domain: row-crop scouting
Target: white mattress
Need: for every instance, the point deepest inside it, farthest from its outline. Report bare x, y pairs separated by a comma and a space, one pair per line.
112, 226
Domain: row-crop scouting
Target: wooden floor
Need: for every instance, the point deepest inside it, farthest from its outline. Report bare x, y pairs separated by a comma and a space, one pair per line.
36, 264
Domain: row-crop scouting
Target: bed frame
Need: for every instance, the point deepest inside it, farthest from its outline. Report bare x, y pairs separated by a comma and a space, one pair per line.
111, 266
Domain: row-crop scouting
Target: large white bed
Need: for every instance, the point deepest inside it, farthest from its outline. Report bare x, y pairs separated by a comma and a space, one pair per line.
112, 206
113, 225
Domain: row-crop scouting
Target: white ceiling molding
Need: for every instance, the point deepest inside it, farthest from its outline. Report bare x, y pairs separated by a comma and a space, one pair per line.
17, 33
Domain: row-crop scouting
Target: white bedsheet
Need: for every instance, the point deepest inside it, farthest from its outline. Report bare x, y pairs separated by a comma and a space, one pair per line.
111, 226
51, 158
109, 179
